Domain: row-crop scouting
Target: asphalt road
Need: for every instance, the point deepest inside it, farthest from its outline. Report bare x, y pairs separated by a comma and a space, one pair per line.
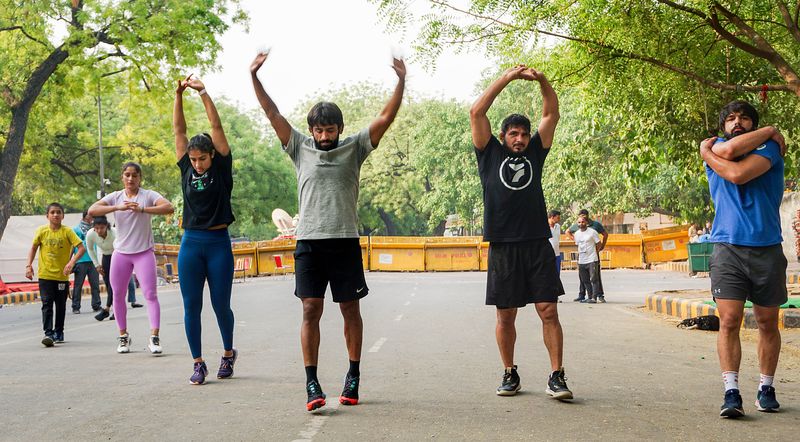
429, 371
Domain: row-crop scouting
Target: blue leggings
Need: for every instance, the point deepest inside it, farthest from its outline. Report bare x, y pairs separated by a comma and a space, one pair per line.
206, 255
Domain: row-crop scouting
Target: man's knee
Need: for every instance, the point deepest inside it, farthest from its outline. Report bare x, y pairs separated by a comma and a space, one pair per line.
730, 322
350, 310
312, 309
506, 317
767, 320
548, 312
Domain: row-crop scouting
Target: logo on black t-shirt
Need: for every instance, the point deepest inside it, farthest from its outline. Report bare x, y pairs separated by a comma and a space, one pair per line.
200, 183
516, 173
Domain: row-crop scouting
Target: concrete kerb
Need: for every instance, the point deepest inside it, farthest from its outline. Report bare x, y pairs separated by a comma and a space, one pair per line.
689, 308
24, 297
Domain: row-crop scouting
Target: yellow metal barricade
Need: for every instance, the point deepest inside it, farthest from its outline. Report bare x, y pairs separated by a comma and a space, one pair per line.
244, 259
167, 254
452, 253
268, 250
663, 245
397, 253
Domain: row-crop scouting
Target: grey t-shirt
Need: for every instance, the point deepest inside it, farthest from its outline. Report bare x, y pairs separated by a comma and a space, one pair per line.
327, 184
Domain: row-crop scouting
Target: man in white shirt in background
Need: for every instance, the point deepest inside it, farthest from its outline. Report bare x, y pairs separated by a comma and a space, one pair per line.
589, 244
554, 219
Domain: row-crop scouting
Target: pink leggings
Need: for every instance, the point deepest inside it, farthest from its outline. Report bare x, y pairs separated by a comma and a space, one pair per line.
122, 266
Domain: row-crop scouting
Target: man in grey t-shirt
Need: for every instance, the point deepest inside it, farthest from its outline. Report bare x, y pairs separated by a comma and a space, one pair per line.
328, 248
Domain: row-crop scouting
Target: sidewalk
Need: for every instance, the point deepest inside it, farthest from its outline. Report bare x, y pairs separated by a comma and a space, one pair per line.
690, 303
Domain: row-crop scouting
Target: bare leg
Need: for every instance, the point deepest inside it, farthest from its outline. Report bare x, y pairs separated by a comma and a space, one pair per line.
551, 332
729, 347
353, 328
506, 334
769, 338
309, 331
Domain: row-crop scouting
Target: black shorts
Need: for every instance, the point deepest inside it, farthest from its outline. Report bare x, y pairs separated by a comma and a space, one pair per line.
745, 273
521, 273
318, 262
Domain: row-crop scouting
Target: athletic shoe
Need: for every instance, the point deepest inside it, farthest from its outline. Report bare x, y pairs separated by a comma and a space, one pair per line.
58, 338
111, 318
732, 407
102, 315
76, 311
47, 341
350, 392
124, 344
135, 305
578, 299
226, 366
601, 299
557, 386
510, 384
316, 398
200, 373
766, 401
154, 345
591, 301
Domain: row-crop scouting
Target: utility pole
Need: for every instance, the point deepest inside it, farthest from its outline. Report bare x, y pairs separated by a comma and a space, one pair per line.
102, 191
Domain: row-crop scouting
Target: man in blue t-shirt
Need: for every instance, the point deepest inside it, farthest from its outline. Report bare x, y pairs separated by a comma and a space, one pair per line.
84, 269
745, 178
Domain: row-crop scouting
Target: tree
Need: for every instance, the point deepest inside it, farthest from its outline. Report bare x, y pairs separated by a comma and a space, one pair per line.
152, 39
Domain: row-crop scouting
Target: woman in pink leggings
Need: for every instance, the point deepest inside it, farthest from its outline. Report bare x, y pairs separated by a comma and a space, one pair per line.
133, 249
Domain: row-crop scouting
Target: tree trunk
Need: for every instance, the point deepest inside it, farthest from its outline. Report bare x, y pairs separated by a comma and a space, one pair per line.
391, 227
439, 230
20, 112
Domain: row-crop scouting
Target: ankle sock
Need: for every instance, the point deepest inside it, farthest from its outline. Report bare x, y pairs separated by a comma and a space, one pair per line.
731, 380
354, 369
766, 380
311, 373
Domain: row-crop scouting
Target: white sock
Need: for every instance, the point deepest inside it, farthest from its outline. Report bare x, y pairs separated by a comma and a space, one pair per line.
731, 380
766, 380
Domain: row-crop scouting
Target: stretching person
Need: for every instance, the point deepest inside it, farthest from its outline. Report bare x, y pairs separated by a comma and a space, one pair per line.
328, 249
133, 249
101, 238
522, 264
205, 254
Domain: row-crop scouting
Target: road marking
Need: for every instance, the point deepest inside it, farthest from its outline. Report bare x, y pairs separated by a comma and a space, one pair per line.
399, 317
407, 303
315, 424
377, 345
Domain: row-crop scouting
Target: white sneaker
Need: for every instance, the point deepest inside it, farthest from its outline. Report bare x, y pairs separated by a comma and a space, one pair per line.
124, 344
154, 345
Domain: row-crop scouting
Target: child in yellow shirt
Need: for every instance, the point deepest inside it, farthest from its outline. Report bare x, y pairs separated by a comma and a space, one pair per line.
55, 265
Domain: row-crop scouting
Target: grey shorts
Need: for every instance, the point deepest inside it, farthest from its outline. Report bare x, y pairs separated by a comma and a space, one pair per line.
746, 273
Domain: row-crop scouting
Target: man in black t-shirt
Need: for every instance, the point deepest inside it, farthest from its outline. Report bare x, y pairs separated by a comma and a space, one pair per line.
522, 267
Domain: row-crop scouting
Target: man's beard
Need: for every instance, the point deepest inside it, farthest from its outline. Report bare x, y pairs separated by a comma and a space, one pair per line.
729, 135
333, 145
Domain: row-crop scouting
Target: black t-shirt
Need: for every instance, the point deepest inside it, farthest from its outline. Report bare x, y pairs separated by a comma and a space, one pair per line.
513, 201
207, 197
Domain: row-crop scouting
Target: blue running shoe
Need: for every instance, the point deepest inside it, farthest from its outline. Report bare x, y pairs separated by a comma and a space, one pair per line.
732, 407
226, 366
200, 373
350, 392
766, 401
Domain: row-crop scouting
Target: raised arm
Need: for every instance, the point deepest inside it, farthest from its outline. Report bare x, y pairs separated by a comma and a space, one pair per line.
550, 115
282, 127
217, 133
381, 124
478, 121
746, 142
179, 120
737, 172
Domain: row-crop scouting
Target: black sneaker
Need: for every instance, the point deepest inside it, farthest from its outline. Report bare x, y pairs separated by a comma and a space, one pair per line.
76, 311
732, 407
102, 315
601, 299
350, 392
557, 386
578, 299
766, 400
136, 305
316, 398
58, 338
47, 341
510, 384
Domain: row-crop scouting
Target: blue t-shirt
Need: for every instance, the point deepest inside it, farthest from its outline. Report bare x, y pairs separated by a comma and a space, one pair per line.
748, 214
82, 236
